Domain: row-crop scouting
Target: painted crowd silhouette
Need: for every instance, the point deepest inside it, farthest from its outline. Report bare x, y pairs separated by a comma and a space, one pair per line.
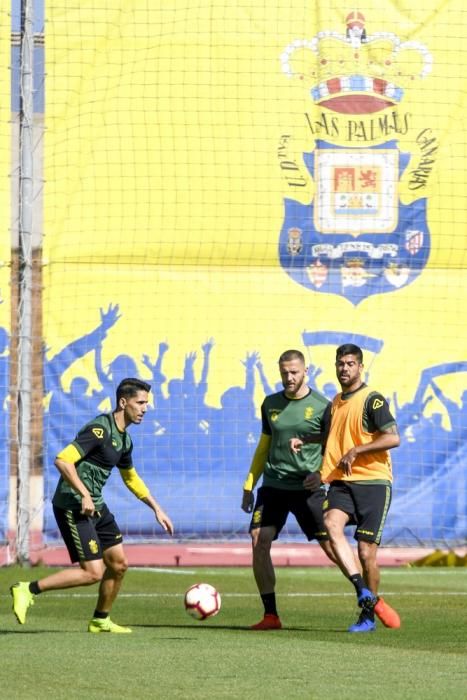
195, 456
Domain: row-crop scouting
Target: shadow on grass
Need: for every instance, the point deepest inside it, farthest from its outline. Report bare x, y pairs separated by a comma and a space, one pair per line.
186, 628
4, 633
238, 628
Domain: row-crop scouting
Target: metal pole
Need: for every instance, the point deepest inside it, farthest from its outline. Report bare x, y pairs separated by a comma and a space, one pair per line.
26, 124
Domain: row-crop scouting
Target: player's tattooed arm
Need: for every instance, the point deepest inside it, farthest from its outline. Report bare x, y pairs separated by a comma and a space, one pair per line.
383, 440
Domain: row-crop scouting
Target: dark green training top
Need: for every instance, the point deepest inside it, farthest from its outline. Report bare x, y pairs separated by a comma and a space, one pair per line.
101, 446
283, 419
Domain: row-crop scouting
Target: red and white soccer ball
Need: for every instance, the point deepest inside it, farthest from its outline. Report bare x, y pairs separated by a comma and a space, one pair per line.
202, 601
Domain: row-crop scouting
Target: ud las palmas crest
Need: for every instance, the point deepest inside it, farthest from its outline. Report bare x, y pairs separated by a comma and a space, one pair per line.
355, 238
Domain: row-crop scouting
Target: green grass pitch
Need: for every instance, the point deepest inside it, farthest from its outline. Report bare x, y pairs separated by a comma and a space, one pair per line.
169, 655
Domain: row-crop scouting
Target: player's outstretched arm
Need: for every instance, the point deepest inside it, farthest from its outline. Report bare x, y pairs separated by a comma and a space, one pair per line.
136, 485
295, 444
161, 516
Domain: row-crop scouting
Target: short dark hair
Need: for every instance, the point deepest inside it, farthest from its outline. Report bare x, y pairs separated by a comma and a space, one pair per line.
349, 349
292, 355
129, 387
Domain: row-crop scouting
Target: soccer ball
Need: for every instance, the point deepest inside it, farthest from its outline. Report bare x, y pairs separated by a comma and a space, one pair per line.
202, 601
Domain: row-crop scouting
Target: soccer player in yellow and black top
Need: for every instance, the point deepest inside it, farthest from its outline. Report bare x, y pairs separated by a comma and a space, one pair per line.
291, 481
357, 465
89, 529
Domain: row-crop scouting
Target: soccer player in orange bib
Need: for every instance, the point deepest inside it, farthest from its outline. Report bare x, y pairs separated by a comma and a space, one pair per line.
357, 465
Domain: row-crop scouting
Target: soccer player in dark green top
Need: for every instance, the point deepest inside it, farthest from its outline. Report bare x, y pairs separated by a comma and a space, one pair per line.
89, 529
291, 481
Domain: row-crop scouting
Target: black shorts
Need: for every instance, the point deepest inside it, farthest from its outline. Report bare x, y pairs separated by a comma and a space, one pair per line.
87, 537
273, 506
367, 506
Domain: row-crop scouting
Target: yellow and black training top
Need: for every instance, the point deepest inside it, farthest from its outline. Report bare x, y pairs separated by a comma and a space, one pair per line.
100, 446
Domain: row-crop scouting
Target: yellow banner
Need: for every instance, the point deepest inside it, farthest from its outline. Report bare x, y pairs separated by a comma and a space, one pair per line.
224, 182
173, 138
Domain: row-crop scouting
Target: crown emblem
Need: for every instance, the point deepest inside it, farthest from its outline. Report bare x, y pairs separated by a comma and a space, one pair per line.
294, 242
354, 274
356, 73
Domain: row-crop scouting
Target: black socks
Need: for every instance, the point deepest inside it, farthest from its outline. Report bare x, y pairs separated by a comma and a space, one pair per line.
269, 602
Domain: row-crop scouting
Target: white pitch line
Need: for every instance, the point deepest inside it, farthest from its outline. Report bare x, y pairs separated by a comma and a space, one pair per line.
155, 570
255, 595
299, 571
